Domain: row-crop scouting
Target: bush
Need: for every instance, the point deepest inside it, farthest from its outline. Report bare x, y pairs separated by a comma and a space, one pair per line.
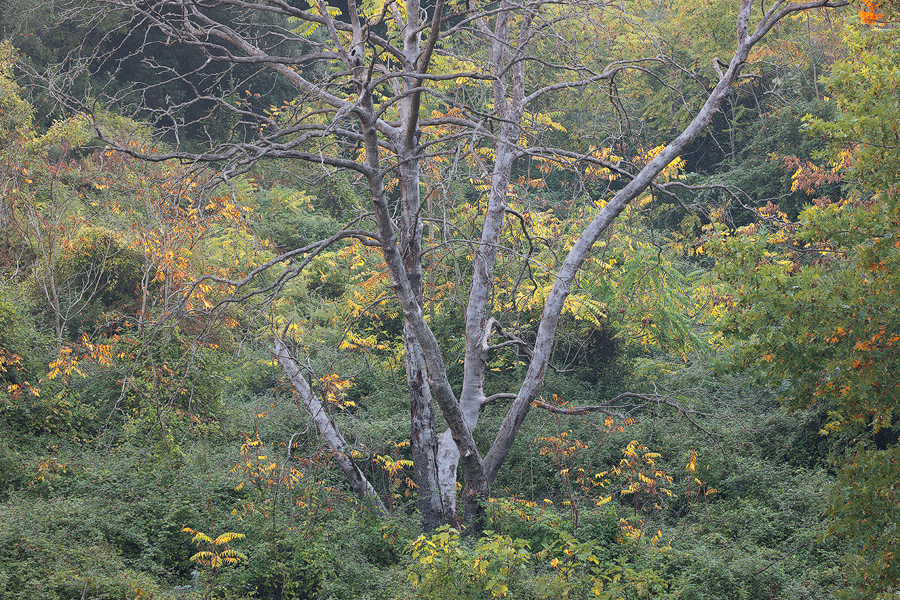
99, 272
444, 567
48, 551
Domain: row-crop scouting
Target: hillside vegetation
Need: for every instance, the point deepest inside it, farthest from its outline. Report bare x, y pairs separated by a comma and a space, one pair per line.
278, 287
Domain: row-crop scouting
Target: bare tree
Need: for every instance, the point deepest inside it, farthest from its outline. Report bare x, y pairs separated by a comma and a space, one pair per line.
362, 83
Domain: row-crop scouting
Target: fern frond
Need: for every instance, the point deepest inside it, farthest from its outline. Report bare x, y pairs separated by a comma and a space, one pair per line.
200, 537
203, 555
227, 537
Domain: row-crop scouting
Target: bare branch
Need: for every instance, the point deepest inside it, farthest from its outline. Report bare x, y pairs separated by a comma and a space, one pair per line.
614, 409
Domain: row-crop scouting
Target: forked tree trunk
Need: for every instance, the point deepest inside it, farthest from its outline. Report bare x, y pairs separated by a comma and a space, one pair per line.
436, 457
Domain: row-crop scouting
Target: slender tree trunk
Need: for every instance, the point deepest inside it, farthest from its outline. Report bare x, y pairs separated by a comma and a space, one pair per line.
328, 430
423, 439
508, 91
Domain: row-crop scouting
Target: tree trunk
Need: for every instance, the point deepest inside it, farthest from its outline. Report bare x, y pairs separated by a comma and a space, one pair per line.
423, 441
329, 432
423, 438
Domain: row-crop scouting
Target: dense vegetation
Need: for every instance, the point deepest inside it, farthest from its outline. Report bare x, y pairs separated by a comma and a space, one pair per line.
719, 419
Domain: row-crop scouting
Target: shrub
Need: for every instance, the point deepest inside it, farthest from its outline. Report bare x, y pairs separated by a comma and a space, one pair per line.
47, 551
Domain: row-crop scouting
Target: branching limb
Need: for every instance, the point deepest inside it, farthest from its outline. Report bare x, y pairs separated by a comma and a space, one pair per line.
616, 410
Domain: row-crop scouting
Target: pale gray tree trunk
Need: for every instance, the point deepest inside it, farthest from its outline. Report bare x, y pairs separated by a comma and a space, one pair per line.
423, 438
333, 438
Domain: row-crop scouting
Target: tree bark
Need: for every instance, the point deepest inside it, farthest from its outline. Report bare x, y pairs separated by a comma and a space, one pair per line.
423, 439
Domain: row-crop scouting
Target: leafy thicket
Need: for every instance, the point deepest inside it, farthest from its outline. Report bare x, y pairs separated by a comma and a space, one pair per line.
814, 301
